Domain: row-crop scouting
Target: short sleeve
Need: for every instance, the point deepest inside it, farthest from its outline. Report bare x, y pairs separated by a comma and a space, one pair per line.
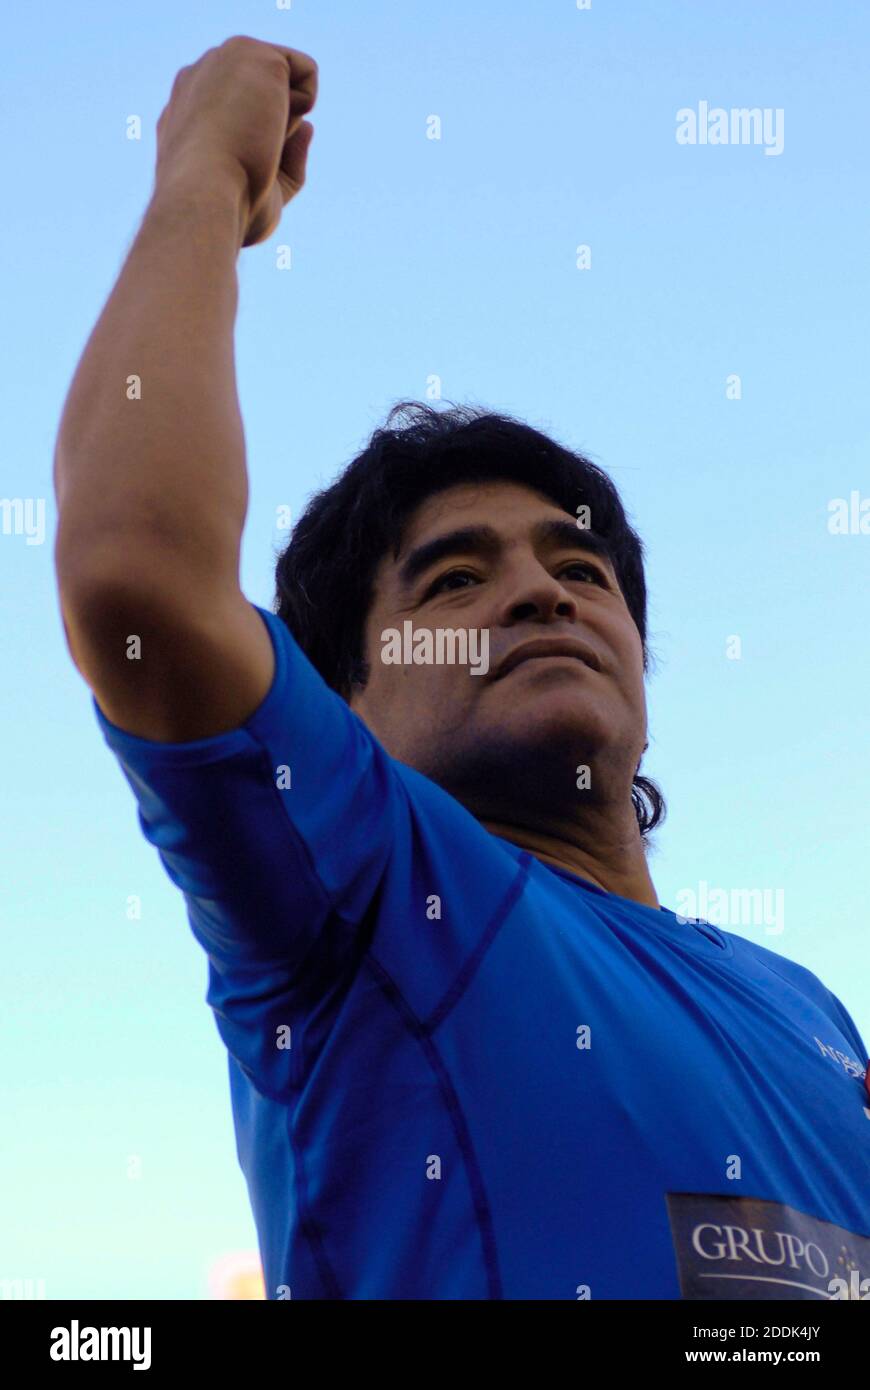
275, 830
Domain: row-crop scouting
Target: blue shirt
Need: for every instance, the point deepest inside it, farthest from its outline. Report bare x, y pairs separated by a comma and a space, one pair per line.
459, 1073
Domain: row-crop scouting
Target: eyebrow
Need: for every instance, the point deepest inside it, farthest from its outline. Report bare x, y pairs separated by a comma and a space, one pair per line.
483, 540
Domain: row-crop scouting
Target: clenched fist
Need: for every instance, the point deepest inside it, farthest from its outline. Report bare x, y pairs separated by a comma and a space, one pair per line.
239, 110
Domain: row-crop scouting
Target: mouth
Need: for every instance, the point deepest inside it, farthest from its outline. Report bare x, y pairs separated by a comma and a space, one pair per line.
548, 650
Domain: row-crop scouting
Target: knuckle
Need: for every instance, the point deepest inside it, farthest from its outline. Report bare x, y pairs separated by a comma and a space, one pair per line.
181, 77
242, 46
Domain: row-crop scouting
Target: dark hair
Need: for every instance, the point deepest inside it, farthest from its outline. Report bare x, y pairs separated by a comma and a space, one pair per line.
325, 573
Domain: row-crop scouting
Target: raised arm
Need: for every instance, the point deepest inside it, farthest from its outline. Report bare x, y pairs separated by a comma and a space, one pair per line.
150, 461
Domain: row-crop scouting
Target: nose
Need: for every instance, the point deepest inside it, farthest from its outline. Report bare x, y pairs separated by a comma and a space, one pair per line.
536, 595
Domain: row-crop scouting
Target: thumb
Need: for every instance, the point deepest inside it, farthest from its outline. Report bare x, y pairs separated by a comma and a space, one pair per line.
294, 155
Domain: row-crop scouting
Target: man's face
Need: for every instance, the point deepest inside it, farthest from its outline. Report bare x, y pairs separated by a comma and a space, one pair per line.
498, 738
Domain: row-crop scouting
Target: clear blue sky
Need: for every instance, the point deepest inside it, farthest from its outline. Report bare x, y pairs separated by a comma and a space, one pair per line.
456, 257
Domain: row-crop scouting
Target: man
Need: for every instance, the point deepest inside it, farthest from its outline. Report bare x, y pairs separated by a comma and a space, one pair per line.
471, 1056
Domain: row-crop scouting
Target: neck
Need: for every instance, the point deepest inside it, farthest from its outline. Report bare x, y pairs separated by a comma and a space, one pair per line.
617, 865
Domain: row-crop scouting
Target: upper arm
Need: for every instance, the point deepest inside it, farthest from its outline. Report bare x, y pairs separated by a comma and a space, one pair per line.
164, 665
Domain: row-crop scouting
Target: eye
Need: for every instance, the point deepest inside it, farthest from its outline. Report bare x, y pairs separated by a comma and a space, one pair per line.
441, 581
591, 571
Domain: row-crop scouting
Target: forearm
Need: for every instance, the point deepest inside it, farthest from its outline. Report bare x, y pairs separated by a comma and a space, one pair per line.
150, 451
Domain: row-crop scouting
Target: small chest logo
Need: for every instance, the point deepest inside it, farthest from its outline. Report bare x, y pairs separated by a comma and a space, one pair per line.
849, 1064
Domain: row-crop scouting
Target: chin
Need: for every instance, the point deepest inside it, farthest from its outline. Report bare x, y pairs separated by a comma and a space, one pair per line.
557, 714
